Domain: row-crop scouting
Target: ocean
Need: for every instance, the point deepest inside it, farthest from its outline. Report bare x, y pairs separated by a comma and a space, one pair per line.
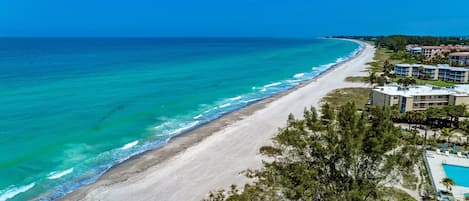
71, 108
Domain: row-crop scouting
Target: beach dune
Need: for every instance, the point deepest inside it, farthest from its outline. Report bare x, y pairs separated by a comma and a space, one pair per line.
212, 157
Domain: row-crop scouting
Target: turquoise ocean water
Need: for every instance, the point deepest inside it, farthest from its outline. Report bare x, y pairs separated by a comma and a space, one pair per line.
72, 108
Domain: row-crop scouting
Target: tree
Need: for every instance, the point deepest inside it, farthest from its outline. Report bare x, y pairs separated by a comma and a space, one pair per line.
446, 132
344, 155
465, 128
448, 183
406, 82
371, 78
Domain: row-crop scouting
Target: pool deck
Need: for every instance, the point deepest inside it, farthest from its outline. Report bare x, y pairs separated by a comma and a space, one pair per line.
437, 173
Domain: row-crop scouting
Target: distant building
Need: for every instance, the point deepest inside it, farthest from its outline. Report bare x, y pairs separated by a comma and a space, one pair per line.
413, 49
431, 51
419, 97
440, 72
459, 58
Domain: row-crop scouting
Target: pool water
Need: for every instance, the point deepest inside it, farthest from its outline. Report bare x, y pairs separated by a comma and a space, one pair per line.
459, 174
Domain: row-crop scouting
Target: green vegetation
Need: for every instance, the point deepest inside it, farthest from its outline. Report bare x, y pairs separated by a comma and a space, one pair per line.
410, 181
439, 83
435, 117
341, 155
448, 183
356, 79
388, 193
381, 59
398, 42
359, 96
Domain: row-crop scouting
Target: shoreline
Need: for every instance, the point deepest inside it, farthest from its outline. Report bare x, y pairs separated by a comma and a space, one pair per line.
136, 169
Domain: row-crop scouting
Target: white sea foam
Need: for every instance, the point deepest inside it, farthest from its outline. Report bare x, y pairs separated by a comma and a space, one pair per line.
180, 130
325, 66
298, 75
211, 109
161, 125
340, 60
293, 81
263, 89
58, 174
250, 100
235, 98
198, 116
129, 145
273, 84
13, 191
225, 105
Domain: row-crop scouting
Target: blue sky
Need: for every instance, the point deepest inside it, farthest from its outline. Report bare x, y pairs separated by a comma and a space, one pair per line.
275, 18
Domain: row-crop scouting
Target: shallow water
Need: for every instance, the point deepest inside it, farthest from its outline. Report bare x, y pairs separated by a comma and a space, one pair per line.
72, 108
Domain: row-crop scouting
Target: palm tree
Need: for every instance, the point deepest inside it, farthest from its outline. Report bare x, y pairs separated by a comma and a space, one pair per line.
465, 128
448, 183
371, 78
412, 82
446, 132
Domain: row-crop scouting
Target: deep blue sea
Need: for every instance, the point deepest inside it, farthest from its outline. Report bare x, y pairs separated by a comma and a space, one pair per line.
72, 108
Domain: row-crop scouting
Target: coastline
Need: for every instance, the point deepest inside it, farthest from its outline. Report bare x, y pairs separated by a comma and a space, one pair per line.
198, 156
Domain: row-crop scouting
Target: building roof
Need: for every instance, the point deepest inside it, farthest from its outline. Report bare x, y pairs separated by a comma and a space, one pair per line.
433, 47
439, 66
416, 65
459, 54
424, 90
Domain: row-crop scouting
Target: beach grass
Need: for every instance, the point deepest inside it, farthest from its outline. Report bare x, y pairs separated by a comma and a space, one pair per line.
390, 193
358, 95
381, 55
356, 79
410, 181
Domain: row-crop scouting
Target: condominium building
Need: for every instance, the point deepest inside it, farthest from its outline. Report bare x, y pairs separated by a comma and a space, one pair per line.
414, 49
430, 51
459, 58
419, 97
439, 72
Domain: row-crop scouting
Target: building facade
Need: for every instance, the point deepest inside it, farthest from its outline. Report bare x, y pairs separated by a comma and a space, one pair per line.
440, 72
431, 51
420, 97
459, 58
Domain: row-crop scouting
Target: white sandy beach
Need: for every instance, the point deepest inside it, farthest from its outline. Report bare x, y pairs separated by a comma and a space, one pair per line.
216, 161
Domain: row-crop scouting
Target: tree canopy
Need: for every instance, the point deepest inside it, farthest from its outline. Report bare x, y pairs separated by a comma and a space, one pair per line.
339, 155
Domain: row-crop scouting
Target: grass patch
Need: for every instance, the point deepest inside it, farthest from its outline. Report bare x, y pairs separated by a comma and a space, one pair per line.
389, 193
410, 181
357, 95
381, 55
356, 79
439, 83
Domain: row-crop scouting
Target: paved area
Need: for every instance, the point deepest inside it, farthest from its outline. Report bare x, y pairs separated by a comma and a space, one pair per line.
435, 163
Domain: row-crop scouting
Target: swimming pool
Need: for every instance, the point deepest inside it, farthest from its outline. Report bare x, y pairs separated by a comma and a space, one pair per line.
459, 174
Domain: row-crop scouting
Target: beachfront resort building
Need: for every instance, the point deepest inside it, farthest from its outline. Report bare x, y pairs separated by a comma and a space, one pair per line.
459, 58
419, 97
431, 51
414, 49
442, 72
